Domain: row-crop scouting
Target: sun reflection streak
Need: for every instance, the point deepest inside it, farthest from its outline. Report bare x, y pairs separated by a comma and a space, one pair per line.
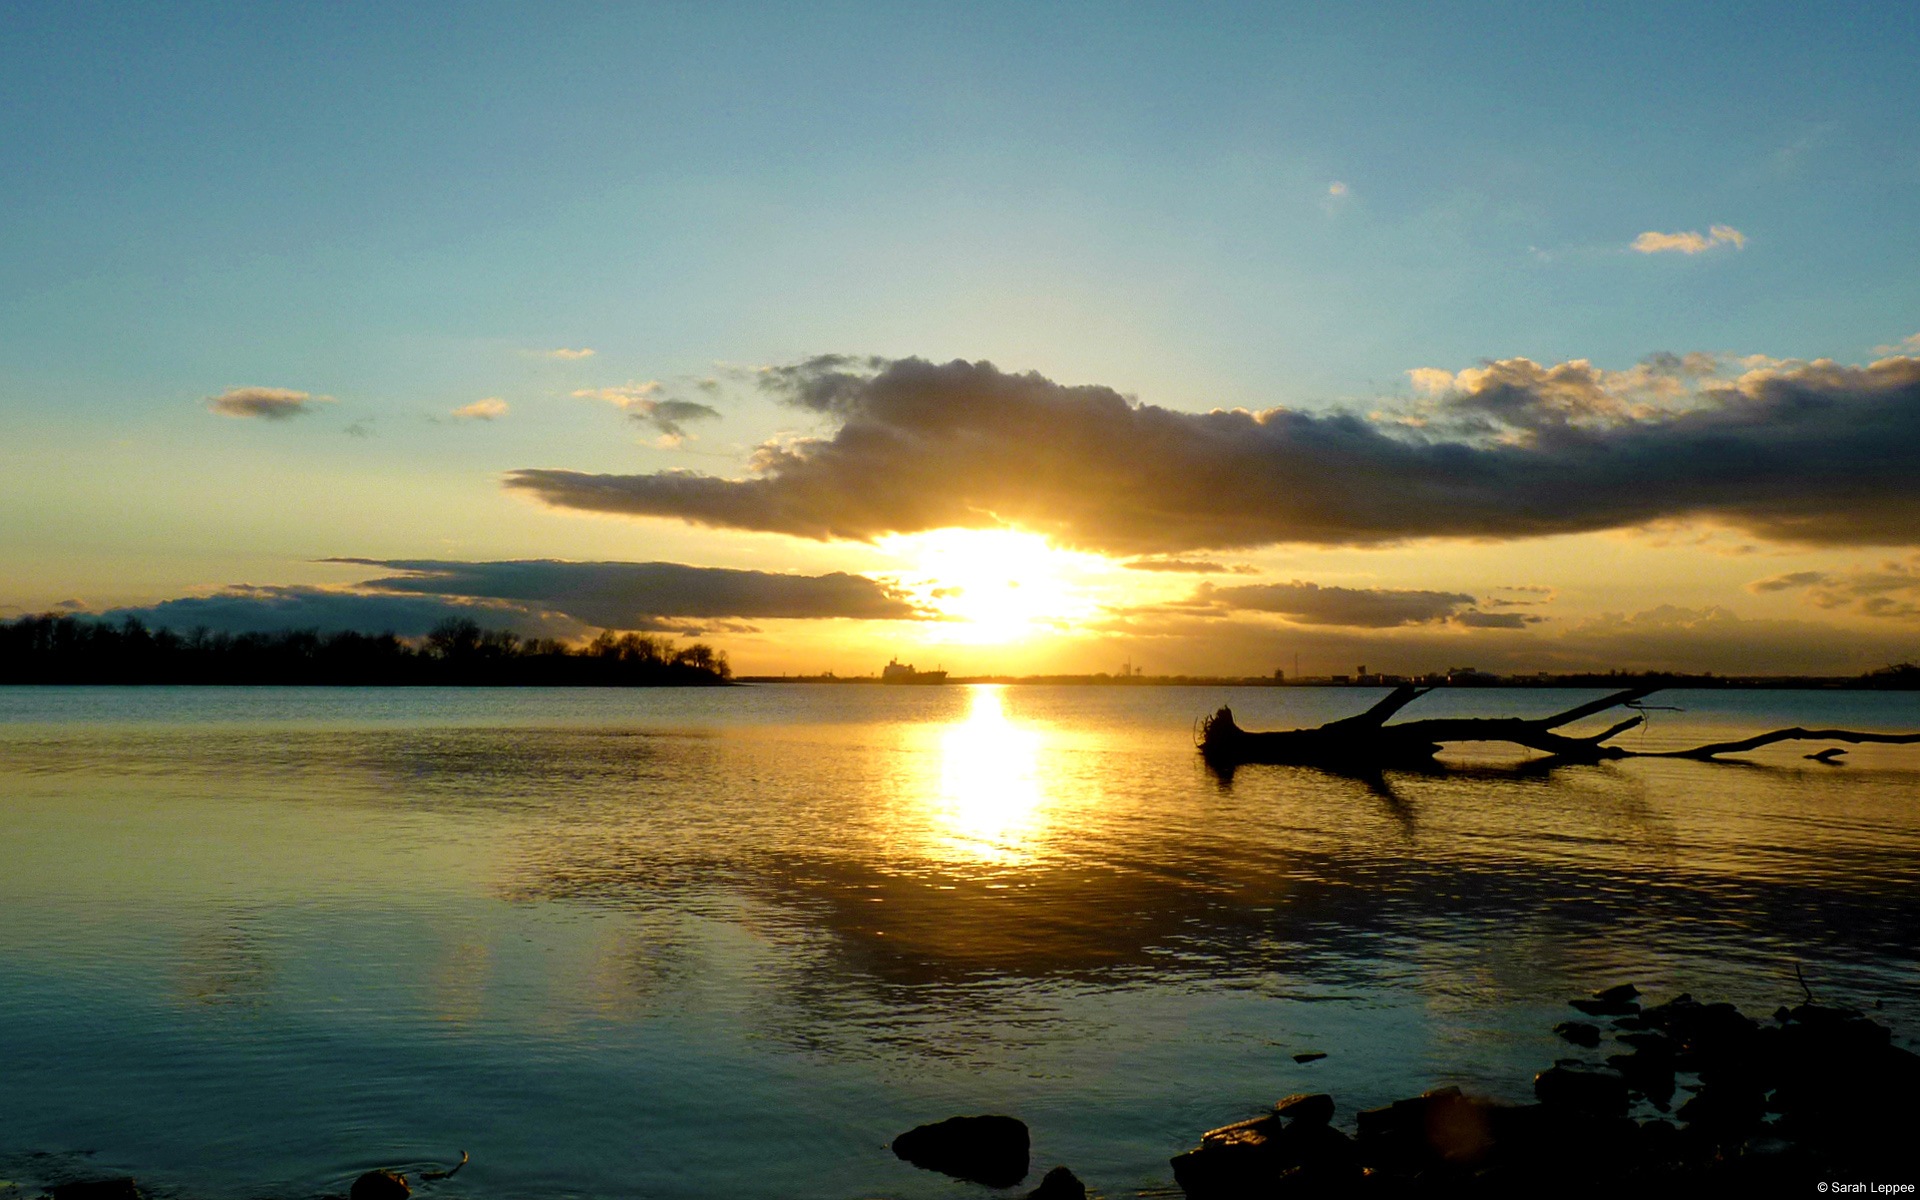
991, 807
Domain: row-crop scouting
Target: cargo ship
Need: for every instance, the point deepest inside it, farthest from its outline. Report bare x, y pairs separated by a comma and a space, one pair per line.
897, 672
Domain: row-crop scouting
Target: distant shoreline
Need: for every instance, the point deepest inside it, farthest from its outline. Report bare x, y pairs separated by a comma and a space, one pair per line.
1874, 682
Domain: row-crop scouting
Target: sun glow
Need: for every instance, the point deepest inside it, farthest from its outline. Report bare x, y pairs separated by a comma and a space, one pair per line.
998, 585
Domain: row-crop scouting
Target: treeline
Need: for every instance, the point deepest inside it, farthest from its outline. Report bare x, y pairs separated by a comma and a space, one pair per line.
64, 649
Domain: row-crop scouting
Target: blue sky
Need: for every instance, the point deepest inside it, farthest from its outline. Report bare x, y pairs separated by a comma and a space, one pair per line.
1201, 206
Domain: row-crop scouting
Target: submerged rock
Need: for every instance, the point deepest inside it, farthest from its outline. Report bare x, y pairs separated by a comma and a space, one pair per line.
1580, 1033
380, 1185
986, 1149
98, 1189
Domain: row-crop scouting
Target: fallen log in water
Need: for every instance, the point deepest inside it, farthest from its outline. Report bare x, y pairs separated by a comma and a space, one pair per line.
1366, 741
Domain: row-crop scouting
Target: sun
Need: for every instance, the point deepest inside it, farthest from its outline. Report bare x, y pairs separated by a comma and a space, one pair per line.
997, 585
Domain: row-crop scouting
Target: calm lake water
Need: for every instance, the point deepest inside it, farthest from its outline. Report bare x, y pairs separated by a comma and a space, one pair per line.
730, 942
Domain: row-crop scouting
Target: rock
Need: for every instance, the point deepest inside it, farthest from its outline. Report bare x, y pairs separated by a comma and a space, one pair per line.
1620, 993
1587, 1092
98, 1189
1254, 1131
1059, 1184
1226, 1169
380, 1185
1316, 1157
1441, 1129
985, 1149
1306, 1108
1579, 1033
1658, 1016
1648, 1072
1726, 1115
1656, 1045
1310, 1056
1605, 1008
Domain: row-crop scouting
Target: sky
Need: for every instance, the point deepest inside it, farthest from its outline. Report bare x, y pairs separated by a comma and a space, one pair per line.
1206, 338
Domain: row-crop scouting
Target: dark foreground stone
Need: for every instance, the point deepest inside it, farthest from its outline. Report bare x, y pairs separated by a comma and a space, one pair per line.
380, 1185
986, 1149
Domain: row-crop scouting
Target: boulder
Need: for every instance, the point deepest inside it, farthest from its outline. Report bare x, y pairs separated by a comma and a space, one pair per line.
985, 1149
1580, 1033
380, 1185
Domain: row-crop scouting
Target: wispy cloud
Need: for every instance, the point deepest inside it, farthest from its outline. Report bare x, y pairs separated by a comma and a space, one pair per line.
1190, 566
1796, 452
489, 409
566, 354
270, 403
1890, 590
1690, 241
645, 403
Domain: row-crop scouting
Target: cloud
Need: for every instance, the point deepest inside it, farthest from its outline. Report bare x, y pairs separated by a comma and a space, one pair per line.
1801, 452
566, 354
1311, 604
641, 402
1690, 242
1664, 638
482, 410
1188, 566
1336, 188
641, 595
275, 404
1890, 591
1906, 345
270, 609
1474, 619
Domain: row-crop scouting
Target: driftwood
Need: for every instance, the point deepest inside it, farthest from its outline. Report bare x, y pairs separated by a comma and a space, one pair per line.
1366, 741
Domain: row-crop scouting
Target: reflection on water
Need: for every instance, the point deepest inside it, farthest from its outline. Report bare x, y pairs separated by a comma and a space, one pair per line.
580, 934
991, 805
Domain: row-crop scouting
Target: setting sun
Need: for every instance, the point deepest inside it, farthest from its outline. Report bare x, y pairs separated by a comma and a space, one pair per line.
997, 585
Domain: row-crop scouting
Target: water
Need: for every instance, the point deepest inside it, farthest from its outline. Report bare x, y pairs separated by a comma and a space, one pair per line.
729, 943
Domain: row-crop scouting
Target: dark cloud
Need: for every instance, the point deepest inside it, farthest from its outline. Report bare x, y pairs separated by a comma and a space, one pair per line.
1366, 608
1190, 566
274, 404
250, 609
1890, 591
643, 595
1809, 452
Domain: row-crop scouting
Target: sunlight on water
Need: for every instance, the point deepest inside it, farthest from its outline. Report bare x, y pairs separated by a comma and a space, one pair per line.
991, 806
252, 942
